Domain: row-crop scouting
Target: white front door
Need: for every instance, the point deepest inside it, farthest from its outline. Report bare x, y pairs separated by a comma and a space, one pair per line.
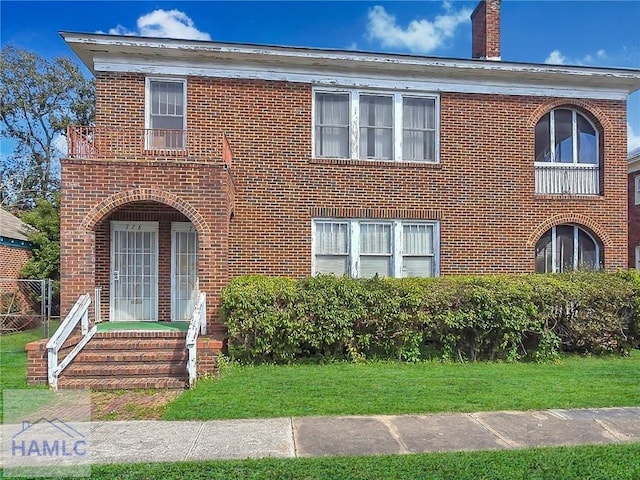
134, 271
184, 270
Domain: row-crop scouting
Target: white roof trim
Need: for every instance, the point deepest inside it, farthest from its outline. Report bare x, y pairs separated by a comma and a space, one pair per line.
344, 79
98, 51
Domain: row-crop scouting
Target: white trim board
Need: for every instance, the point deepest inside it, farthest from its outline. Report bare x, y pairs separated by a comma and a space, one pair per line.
343, 79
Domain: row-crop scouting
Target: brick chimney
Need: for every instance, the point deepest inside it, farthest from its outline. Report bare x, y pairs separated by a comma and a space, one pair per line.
485, 30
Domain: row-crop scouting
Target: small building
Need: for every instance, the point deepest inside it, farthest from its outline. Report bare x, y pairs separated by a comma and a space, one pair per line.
15, 248
633, 164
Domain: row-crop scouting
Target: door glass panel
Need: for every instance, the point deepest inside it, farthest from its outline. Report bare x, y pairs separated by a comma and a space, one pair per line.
184, 271
134, 271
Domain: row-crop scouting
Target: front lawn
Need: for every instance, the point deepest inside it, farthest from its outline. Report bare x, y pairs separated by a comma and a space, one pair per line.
13, 358
402, 388
602, 462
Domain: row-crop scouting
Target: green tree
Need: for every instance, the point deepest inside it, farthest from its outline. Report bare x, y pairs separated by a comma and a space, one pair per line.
39, 98
45, 219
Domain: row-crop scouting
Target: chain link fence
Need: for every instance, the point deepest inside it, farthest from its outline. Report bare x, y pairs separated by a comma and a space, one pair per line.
27, 304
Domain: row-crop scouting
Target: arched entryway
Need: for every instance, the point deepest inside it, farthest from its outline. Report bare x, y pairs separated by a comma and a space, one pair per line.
147, 263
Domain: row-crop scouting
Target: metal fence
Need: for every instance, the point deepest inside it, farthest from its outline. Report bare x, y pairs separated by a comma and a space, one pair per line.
27, 304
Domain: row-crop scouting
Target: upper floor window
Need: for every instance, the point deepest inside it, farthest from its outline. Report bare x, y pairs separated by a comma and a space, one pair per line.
567, 247
365, 248
566, 154
375, 125
637, 189
166, 114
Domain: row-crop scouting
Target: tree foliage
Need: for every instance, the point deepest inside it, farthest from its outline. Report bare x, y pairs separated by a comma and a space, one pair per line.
45, 259
39, 98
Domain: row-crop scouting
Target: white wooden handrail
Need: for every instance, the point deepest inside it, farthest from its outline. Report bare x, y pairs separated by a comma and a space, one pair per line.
79, 313
197, 324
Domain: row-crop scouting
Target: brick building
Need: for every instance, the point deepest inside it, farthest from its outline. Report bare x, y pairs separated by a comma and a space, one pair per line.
212, 160
634, 208
15, 247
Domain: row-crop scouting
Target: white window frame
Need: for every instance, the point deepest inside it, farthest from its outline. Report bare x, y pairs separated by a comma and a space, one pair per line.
554, 244
637, 189
147, 104
574, 138
638, 258
396, 243
354, 125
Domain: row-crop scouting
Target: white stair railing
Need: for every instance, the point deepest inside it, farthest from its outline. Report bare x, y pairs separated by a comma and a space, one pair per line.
78, 314
197, 324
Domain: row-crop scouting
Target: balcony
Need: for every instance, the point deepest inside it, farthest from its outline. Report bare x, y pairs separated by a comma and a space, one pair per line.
567, 179
131, 144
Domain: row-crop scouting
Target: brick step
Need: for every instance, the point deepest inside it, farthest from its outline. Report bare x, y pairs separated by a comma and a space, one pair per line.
98, 370
122, 383
98, 343
117, 356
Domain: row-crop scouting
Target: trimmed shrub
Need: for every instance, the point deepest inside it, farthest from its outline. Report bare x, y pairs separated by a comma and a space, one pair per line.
461, 318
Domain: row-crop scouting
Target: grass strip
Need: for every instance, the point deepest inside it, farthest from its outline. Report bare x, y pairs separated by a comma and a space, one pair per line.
403, 388
596, 462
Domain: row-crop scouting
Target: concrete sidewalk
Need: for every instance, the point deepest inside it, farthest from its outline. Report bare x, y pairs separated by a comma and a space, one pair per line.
161, 441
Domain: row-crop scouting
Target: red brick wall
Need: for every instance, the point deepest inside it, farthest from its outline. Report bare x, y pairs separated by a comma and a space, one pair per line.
634, 219
94, 192
482, 191
12, 260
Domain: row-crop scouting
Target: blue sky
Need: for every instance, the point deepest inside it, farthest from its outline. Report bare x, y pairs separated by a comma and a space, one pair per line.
594, 33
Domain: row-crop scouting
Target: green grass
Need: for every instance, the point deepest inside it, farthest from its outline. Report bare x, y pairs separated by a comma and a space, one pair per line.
401, 388
13, 358
602, 462
13, 361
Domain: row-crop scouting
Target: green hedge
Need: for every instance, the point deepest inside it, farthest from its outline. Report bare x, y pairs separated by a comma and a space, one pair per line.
467, 318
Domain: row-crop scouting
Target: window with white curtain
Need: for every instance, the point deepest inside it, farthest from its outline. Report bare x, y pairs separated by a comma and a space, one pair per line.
365, 248
375, 125
166, 113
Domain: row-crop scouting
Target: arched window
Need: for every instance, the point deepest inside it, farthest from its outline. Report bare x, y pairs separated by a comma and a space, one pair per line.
566, 136
566, 149
567, 247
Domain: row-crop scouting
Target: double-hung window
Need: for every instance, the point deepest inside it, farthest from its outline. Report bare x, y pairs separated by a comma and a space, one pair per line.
375, 125
166, 114
365, 248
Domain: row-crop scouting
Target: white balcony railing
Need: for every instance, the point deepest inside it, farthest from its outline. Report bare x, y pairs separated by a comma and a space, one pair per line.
563, 179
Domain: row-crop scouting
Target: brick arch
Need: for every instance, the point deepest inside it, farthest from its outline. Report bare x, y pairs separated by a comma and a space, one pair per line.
597, 115
573, 218
102, 209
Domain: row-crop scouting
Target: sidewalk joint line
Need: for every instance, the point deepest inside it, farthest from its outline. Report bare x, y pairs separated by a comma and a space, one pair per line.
490, 429
393, 430
195, 441
293, 438
619, 437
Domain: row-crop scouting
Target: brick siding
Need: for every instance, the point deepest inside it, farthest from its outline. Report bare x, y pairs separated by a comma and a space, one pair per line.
256, 217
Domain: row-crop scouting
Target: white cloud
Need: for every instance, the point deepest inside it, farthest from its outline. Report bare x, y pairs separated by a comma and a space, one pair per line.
163, 24
59, 142
555, 58
597, 58
633, 138
420, 36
